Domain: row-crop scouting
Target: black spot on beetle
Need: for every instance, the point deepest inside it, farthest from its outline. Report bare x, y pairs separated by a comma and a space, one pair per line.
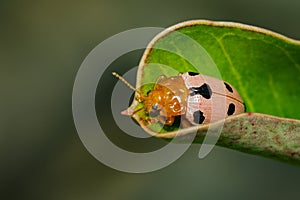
204, 90
193, 73
198, 117
228, 87
231, 109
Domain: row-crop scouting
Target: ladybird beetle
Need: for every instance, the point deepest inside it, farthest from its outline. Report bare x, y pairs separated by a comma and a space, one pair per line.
189, 95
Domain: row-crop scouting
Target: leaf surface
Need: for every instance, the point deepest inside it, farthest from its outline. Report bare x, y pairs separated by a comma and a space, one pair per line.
262, 65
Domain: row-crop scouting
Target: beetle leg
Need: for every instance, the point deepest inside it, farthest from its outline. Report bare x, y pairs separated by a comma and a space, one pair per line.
167, 120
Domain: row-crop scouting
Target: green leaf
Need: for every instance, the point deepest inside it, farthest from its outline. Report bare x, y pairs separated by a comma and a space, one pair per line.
262, 65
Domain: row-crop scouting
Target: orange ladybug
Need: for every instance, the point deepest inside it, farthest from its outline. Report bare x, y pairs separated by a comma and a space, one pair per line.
189, 95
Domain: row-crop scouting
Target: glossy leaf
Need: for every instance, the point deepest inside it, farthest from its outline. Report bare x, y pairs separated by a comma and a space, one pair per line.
262, 65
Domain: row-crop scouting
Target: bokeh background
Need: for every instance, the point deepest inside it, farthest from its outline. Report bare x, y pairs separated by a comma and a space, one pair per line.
42, 45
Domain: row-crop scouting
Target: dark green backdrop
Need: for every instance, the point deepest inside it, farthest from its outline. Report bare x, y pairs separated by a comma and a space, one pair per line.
42, 45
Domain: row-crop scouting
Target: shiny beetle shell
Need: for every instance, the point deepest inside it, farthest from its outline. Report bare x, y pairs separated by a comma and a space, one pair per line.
205, 90
192, 96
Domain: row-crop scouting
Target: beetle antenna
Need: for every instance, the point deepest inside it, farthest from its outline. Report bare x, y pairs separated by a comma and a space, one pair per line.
126, 82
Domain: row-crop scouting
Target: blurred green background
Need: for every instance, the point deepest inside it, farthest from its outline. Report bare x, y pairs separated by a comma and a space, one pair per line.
42, 46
